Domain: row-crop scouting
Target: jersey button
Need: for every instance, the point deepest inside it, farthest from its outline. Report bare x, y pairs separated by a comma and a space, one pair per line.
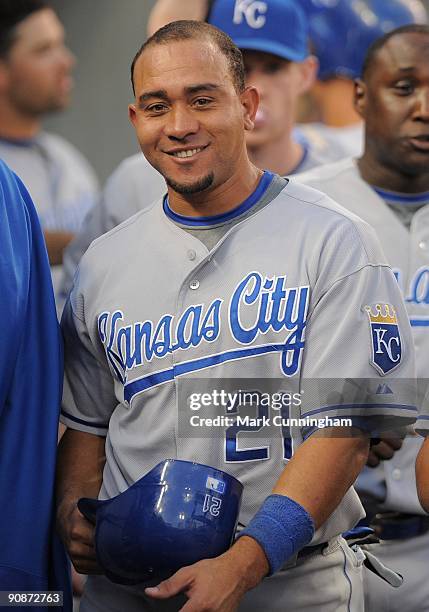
423, 245
194, 285
191, 255
396, 474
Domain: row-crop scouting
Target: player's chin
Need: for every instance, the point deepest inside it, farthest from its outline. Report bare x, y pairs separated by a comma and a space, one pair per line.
191, 185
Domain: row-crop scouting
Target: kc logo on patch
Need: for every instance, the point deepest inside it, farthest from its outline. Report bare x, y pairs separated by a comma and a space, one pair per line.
386, 340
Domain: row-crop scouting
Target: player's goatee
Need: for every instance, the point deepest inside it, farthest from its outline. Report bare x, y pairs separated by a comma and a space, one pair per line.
203, 183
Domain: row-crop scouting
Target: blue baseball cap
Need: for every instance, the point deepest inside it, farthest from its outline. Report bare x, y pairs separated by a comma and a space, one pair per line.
272, 26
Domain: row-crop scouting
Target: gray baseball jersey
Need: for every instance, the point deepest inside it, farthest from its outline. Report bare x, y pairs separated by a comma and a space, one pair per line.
61, 183
393, 482
294, 292
133, 186
333, 143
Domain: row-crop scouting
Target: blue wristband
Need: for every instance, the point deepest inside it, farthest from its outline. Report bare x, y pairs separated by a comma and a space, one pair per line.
281, 527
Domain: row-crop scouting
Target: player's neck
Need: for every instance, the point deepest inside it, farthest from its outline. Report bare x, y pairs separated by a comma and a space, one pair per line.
380, 175
15, 125
281, 157
220, 199
334, 99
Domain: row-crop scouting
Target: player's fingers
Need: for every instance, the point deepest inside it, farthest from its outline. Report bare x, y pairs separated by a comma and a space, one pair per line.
383, 450
395, 442
86, 566
170, 587
196, 605
82, 531
373, 460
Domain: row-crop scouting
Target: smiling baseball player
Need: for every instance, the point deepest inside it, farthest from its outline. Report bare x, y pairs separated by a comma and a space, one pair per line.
274, 39
235, 273
389, 188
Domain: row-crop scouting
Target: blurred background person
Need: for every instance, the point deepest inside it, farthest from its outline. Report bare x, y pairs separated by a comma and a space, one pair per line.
35, 79
341, 32
388, 187
166, 11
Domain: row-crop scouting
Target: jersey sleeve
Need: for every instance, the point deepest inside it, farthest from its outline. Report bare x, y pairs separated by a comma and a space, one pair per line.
359, 356
89, 396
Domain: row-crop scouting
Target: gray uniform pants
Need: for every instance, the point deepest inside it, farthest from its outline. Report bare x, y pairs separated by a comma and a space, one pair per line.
410, 558
328, 581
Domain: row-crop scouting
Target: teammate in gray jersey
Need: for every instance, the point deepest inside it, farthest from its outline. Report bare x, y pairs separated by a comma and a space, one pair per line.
236, 273
341, 33
35, 79
278, 64
389, 188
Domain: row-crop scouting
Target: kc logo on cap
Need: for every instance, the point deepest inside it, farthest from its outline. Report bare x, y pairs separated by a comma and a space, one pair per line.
253, 11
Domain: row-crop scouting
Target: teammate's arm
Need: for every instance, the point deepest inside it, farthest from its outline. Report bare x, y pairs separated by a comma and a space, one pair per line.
80, 465
422, 474
317, 477
166, 11
56, 242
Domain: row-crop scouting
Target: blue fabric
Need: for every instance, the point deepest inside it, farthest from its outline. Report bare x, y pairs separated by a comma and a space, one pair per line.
281, 527
406, 199
30, 392
279, 27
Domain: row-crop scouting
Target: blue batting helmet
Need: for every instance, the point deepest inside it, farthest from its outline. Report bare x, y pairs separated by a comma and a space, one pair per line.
341, 31
178, 513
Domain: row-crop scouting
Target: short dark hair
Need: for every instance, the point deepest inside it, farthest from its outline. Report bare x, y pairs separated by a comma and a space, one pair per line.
378, 44
12, 12
198, 30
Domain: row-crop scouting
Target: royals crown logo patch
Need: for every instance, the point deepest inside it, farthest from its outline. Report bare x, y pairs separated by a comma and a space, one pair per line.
386, 340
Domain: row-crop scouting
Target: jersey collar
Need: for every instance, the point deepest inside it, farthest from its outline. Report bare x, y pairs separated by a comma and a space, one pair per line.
405, 199
239, 210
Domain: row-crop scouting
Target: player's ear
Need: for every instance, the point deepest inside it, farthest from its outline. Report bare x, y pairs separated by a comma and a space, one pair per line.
250, 101
308, 69
359, 97
132, 114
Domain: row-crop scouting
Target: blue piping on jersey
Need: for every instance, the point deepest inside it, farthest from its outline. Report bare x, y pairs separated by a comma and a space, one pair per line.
406, 199
423, 417
359, 406
82, 422
158, 378
239, 210
24, 142
419, 322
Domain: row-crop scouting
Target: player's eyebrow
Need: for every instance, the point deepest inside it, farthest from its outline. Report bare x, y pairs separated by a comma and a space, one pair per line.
160, 94
193, 89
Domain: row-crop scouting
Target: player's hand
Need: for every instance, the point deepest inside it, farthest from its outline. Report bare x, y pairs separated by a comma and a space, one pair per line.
216, 585
384, 450
77, 533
